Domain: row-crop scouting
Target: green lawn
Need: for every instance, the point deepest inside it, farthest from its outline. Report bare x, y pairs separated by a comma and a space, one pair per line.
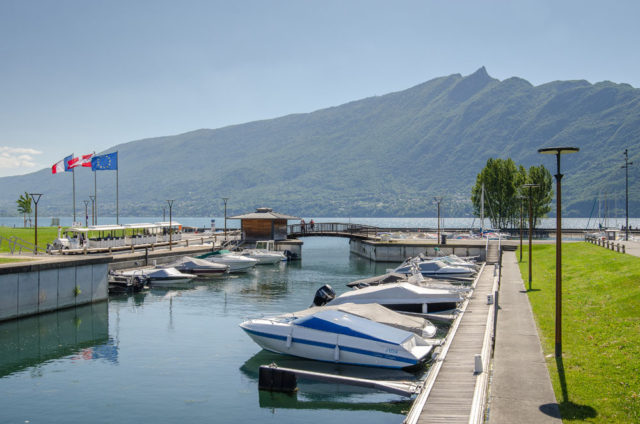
45, 235
598, 378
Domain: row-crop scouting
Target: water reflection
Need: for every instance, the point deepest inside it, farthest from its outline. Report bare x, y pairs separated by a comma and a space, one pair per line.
319, 395
31, 341
275, 400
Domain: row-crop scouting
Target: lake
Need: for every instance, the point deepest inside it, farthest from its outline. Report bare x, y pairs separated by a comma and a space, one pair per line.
179, 355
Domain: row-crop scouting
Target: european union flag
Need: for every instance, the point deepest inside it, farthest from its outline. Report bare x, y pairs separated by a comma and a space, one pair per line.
105, 162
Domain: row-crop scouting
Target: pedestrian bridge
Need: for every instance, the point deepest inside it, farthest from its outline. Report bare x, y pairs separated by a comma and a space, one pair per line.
332, 229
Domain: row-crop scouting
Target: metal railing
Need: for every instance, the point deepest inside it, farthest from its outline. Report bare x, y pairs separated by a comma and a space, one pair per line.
16, 244
332, 228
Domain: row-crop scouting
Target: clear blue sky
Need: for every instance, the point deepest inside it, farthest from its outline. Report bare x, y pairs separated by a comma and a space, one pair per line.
78, 76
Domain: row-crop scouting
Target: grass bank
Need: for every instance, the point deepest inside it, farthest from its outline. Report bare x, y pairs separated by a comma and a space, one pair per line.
45, 235
598, 378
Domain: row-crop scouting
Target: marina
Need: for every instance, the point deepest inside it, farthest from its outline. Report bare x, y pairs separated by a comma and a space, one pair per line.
451, 387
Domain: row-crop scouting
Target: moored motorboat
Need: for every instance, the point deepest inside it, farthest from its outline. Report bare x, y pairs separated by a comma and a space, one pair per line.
404, 296
199, 267
169, 276
236, 263
378, 313
337, 336
264, 256
435, 268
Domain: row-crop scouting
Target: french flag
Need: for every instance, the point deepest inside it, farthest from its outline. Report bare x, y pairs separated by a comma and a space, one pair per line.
61, 166
84, 160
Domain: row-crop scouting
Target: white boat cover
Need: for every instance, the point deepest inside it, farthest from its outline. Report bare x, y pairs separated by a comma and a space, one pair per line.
337, 322
188, 262
397, 294
378, 313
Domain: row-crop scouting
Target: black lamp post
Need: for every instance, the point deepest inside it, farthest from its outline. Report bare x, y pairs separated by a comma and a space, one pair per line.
558, 152
438, 200
224, 199
530, 186
170, 202
521, 214
626, 193
86, 213
36, 199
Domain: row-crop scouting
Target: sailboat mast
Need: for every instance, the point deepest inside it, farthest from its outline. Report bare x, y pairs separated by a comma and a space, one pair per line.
482, 210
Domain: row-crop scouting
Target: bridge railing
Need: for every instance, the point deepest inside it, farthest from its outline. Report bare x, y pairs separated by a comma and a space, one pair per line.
331, 228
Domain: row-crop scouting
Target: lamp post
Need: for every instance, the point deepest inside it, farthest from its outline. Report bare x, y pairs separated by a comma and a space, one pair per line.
93, 214
164, 214
36, 199
626, 193
170, 202
438, 200
224, 199
558, 152
530, 186
521, 214
86, 213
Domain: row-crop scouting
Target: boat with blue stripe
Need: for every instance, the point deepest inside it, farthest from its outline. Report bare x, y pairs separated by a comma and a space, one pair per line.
332, 335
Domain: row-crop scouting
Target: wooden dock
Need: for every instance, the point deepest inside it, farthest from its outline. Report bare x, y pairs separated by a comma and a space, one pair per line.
455, 392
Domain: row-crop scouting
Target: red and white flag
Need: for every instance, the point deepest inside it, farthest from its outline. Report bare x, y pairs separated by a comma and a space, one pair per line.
84, 160
61, 166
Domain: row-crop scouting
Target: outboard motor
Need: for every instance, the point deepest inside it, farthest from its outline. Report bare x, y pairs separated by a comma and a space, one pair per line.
324, 295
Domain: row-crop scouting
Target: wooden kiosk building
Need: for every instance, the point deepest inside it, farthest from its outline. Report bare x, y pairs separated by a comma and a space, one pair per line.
264, 224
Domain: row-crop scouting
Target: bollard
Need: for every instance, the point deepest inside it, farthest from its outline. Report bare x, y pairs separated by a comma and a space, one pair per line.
274, 379
618, 248
623, 249
477, 361
187, 241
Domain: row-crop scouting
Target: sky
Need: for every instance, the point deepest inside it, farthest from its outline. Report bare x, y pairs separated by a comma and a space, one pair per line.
79, 76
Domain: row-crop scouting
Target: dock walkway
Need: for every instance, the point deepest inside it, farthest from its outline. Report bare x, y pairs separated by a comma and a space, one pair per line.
450, 398
521, 389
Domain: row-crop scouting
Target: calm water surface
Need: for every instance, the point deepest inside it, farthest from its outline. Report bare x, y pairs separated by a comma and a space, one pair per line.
179, 355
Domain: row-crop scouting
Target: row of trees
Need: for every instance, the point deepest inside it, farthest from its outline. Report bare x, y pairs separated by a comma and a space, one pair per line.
505, 193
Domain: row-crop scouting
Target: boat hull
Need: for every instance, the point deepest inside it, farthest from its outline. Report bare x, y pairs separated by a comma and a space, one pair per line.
327, 347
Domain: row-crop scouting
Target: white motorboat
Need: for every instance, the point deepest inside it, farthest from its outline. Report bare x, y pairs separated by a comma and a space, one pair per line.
236, 263
405, 297
199, 267
378, 313
435, 268
453, 260
264, 256
336, 336
163, 276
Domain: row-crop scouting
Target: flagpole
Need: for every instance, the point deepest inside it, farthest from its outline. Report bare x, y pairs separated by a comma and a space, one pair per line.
117, 201
73, 174
95, 194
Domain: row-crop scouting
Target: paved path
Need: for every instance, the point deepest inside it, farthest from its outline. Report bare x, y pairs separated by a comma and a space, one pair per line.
521, 390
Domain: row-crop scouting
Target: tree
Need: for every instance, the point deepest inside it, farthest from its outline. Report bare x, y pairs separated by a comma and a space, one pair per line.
501, 179
24, 206
503, 183
540, 196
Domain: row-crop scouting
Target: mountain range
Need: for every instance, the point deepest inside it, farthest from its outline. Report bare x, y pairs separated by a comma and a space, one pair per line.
387, 155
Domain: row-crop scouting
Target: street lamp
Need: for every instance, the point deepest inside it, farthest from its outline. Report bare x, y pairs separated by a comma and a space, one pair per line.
86, 213
438, 200
521, 214
93, 213
170, 202
36, 199
224, 199
626, 194
558, 151
530, 186
164, 214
